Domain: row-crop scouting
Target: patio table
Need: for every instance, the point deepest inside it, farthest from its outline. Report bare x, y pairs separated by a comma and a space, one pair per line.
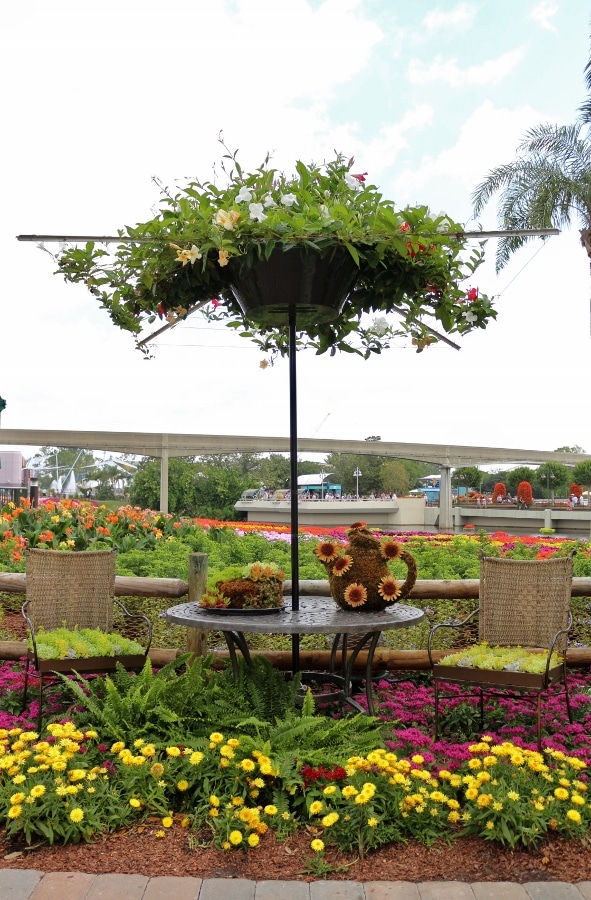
316, 615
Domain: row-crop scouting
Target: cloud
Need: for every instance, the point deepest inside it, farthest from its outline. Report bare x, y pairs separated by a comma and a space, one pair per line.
460, 15
381, 152
487, 139
491, 71
543, 12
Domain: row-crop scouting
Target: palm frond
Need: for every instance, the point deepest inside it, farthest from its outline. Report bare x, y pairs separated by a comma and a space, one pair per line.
546, 186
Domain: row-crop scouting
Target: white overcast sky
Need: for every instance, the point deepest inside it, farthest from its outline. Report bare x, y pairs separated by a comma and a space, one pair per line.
98, 97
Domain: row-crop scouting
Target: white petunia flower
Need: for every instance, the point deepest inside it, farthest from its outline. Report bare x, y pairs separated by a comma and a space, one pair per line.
470, 317
289, 199
269, 202
256, 212
353, 182
380, 326
243, 195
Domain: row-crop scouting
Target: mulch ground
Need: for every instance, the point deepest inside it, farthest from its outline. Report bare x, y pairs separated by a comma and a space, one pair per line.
139, 851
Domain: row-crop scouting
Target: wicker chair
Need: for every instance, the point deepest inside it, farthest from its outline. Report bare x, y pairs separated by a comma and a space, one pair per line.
73, 590
522, 603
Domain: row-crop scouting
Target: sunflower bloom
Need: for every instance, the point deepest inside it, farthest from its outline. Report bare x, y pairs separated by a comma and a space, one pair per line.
390, 549
77, 815
355, 595
326, 551
342, 564
389, 588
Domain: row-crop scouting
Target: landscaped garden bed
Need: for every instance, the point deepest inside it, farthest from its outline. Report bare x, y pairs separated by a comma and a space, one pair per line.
186, 760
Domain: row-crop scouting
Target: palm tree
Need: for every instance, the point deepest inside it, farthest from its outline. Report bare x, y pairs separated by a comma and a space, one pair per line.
548, 185
585, 108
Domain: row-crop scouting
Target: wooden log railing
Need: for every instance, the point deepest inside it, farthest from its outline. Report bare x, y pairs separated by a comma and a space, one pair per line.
125, 586
392, 660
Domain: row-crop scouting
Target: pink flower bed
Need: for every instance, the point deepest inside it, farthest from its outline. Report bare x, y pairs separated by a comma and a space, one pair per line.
410, 709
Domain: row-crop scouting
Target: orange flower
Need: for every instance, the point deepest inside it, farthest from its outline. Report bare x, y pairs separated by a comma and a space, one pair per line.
223, 258
342, 564
355, 595
390, 549
356, 525
389, 588
326, 551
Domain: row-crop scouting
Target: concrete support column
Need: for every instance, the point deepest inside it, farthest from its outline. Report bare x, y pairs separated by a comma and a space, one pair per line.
547, 518
445, 509
164, 480
457, 518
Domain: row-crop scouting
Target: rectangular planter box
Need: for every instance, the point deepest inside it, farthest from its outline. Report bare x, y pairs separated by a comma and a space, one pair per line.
91, 664
494, 678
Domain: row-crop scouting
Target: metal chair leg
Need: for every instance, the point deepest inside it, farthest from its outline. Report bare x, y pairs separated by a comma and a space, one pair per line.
40, 712
25, 687
436, 691
567, 698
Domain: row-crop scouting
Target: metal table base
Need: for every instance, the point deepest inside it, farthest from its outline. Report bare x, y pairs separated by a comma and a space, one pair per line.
316, 615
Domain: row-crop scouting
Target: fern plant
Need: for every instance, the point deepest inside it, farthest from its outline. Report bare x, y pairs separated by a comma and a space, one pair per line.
181, 700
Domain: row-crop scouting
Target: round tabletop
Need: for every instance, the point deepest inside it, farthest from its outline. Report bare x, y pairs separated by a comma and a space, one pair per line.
316, 615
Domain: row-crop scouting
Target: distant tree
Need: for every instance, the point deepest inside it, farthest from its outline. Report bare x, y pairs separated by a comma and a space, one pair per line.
521, 473
468, 476
574, 449
344, 465
244, 463
582, 474
552, 475
395, 477
145, 490
274, 471
217, 488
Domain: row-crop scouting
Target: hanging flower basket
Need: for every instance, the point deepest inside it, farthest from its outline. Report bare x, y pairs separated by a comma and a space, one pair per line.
359, 575
315, 286
324, 240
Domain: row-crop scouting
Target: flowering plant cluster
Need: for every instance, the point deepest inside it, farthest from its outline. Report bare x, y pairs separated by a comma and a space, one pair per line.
499, 492
406, 261
259, 585
69, 786
508, 659
64, 643
524, 493
74, 525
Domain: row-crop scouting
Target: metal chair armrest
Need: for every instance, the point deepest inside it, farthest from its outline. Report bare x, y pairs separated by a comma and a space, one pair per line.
446, 625
558, 634
31, 628
145, 619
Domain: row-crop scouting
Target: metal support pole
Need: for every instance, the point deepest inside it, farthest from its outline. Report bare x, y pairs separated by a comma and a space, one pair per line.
164, 481
293, 460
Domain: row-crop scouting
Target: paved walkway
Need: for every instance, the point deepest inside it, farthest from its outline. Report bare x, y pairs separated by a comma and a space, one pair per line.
30, 884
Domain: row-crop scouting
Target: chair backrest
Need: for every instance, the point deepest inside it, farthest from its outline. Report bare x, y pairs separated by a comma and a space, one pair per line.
70, 589
524, 602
